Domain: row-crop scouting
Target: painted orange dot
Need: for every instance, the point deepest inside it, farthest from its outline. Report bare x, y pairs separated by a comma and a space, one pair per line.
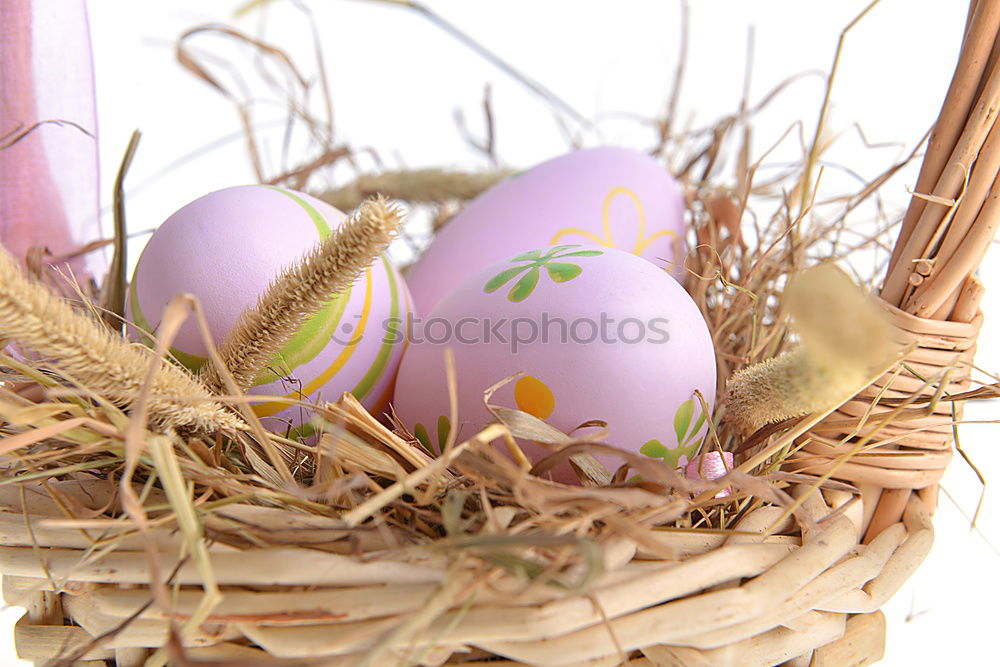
533, 397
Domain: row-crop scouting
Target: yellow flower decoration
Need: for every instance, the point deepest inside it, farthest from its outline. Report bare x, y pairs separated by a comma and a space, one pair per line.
641, 242
533, 397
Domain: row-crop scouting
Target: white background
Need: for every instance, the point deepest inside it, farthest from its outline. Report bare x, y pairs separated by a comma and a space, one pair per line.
397, 81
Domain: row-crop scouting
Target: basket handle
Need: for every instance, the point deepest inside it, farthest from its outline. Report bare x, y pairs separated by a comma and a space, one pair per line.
953, 214
931, 294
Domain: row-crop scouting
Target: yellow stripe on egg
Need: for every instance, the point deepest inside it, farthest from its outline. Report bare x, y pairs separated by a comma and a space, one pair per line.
274, 407
385, 351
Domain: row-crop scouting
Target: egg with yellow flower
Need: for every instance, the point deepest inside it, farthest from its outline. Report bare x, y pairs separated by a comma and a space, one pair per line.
605, 197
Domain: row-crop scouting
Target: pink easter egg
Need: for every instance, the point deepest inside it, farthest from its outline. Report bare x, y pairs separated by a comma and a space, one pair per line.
607, 197
226, 248
596, 333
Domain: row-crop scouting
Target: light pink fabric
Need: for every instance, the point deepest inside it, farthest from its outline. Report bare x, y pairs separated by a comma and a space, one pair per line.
48, 179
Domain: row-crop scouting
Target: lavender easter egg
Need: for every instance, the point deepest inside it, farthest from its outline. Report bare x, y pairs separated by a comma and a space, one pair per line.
226, 248
597, 334
606, 197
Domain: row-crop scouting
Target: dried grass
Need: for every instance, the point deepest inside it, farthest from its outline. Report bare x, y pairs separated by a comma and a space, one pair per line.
416, 186
107, 366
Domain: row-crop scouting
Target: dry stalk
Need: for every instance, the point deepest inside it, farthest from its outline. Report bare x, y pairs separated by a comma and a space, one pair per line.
107, 365
415, 185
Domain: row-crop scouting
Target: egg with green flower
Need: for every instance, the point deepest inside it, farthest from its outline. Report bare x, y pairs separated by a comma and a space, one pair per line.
590, 334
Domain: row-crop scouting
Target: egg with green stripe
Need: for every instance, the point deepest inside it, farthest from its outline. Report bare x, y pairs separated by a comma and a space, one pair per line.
226, 248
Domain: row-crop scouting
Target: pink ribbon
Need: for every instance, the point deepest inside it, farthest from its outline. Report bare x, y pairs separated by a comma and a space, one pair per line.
48, 171
710, 466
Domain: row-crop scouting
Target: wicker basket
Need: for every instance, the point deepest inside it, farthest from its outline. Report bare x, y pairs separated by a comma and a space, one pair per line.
808, 593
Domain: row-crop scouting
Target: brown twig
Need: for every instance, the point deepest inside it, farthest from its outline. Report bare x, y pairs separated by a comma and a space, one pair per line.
113, 294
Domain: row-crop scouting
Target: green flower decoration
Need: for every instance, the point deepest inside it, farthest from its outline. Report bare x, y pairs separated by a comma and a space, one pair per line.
559, 272
688, 443
443, 431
